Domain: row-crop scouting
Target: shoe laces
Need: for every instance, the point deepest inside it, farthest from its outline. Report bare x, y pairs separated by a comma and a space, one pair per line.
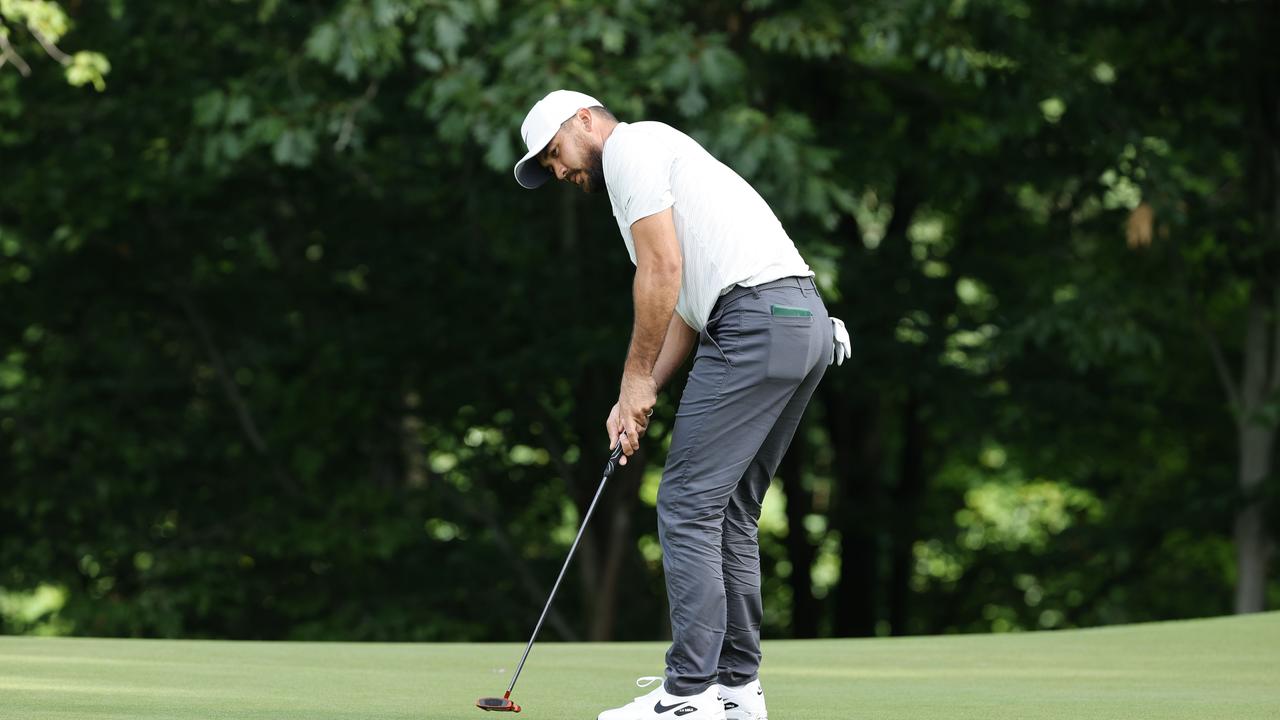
644, 682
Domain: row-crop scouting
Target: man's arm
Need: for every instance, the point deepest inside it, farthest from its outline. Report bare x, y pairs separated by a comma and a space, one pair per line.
655, 290
680, 340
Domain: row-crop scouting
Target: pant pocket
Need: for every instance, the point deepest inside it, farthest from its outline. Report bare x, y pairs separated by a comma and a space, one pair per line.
789, 347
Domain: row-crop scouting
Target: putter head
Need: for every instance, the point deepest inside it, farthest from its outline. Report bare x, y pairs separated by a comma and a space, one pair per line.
497, 705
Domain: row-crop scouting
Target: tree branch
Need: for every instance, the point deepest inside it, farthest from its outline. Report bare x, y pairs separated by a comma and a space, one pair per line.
554, 446
238, 403
1274, 384
487, 515
904, 86
49, 47
349, 119
1224, 373
531, 585
8, 54
232, 392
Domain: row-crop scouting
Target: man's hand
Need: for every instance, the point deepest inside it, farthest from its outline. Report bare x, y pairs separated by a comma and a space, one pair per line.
630, 416
680, 340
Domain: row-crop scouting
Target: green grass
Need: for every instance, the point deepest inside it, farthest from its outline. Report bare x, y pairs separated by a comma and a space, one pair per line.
1198, 670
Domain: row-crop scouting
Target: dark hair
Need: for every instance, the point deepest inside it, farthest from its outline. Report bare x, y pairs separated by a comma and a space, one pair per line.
602, 110
597, 109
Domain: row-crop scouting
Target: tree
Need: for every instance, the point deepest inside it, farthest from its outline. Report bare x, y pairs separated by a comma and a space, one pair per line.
46, 22
288, 354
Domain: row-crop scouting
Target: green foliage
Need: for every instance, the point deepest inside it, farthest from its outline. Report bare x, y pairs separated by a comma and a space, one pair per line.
47, 22
286, 353
88, 68
34, 612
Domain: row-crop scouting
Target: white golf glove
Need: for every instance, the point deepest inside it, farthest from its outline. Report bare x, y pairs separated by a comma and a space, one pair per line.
842, 348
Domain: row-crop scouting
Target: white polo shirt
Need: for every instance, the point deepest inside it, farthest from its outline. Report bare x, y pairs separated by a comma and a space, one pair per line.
727, 233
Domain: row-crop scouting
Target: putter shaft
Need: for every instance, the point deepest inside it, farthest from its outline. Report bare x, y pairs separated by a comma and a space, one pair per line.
608, 470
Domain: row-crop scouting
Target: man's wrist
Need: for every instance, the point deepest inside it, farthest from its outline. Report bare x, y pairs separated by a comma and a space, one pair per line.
637, 374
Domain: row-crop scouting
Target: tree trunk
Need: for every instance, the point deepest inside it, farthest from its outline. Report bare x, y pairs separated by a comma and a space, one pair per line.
608, 539
906, 508
856, 441
854, 419
1260, 378
617, 513
800, 552
1257, 440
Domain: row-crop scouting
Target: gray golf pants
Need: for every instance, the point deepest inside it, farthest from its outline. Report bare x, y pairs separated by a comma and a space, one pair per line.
758, 361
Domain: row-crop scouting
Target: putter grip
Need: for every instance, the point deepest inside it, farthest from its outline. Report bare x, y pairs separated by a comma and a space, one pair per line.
613, 459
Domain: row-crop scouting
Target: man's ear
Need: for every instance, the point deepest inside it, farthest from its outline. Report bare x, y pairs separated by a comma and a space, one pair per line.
586, 117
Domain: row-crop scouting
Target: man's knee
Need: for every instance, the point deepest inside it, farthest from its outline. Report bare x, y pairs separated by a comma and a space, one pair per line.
689, 523
740, 526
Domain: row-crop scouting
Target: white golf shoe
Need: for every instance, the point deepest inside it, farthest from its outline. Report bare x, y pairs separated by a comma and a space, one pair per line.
661, 705
745, 702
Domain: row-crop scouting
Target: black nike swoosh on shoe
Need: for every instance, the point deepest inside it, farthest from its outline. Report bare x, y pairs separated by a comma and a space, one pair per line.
659, 708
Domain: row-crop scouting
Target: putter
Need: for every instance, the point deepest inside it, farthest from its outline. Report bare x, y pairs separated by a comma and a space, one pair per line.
504, 704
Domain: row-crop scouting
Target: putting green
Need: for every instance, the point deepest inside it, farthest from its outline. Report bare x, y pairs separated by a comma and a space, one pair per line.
1200, 669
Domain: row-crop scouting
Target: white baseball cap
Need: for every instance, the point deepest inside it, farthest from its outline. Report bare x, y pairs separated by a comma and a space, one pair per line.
540, 125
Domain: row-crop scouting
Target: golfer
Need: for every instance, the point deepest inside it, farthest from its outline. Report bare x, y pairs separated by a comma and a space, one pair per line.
715, 271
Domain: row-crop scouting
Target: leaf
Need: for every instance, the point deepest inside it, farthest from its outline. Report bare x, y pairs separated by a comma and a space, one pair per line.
88, 68
347, 66
428, 60
386, 12
449, 34
238, 110
323, 43
719, 67
208, 108
692, 101
266, 130
296, 147
500, 155
613, 38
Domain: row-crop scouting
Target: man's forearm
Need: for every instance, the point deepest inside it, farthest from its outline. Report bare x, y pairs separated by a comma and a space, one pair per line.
655, 291
680, 340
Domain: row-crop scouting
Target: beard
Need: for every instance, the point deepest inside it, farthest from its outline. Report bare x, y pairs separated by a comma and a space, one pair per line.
593, 168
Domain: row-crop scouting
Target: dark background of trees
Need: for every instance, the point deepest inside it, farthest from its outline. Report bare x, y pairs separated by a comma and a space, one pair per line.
285, 352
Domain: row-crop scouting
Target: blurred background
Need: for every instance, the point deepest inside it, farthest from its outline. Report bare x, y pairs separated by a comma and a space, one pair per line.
286, 353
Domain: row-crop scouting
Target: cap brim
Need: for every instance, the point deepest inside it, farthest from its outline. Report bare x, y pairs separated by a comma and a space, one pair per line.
530, 173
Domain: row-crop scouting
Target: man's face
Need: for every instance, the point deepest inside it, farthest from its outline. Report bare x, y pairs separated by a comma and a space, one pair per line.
573, 156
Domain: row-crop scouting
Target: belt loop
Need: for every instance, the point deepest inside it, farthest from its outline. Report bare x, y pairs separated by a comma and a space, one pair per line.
755, 291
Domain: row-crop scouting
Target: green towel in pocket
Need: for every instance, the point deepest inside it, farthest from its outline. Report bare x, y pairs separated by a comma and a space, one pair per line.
784, 311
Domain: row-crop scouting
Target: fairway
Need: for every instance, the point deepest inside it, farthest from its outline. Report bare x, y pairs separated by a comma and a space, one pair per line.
1216, 668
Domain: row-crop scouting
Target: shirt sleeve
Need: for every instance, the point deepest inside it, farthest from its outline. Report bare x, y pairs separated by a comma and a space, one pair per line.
641, 177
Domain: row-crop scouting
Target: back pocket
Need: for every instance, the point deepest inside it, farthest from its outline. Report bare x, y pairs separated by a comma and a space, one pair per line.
789, 345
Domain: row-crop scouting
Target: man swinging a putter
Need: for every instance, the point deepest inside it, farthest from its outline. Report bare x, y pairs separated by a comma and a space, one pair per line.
715, 271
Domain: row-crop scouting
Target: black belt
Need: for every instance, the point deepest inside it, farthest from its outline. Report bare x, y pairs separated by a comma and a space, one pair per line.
804, 282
